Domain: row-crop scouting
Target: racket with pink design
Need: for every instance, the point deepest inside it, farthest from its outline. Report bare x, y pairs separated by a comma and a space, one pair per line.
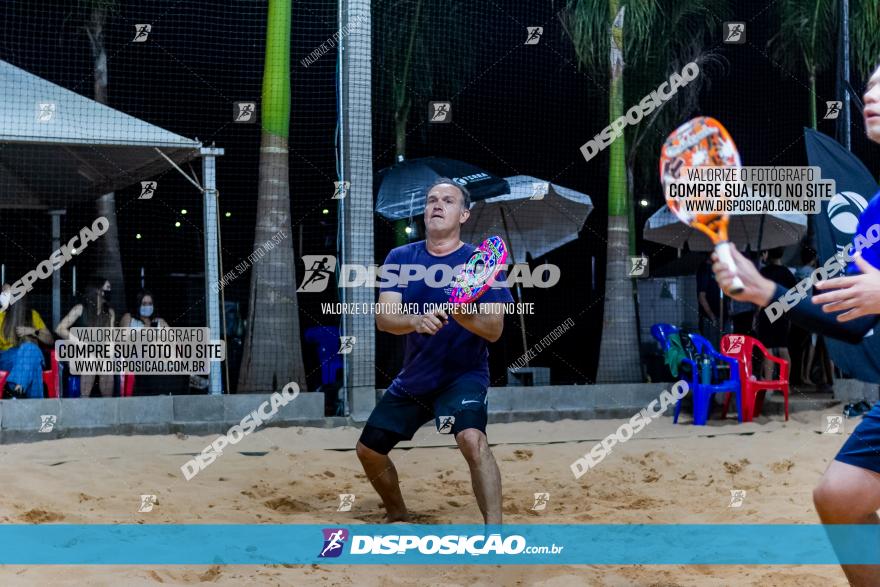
479, 272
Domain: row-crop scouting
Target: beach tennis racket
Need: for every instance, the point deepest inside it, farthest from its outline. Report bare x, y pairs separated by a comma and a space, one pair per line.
479, 272
701, 142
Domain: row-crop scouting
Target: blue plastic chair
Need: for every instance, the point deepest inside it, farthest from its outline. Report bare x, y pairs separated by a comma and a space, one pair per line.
661, 332
326, 339
664, 333
702, 392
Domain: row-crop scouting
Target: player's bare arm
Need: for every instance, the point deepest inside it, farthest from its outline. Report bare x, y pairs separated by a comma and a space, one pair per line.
488, 323
390, 317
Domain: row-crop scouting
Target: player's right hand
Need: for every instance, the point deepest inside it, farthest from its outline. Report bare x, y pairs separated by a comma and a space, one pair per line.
431, 323
758, 289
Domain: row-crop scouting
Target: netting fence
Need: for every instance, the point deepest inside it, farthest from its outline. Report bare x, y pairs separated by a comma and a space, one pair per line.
110, 105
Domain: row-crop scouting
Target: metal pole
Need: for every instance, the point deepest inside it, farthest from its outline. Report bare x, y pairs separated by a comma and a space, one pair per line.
356, 207
56, 276
844, 33
212, 261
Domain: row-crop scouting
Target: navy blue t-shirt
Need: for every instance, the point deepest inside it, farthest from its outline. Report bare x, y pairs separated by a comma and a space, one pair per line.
432, 362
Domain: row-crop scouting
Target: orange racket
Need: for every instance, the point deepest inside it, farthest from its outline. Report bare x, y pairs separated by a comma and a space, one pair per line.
701, 142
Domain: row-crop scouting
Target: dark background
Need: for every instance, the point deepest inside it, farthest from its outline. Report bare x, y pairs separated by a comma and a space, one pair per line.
526, 110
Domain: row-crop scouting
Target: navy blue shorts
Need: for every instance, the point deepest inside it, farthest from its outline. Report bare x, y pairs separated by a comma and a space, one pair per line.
862, 448
461, 405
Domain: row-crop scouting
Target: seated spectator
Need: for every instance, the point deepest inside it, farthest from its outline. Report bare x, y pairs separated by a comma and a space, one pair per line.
144, 315
21, 331
93, 311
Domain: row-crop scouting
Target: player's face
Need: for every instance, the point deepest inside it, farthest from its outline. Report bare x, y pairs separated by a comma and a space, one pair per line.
444, 208
872, 107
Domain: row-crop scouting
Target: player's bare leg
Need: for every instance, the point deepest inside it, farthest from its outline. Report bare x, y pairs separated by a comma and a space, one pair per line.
485, 476
850, 495
383, 476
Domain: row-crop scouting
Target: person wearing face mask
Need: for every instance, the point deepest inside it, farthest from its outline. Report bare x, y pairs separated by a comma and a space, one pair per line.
21, 331
144, 314
93, 311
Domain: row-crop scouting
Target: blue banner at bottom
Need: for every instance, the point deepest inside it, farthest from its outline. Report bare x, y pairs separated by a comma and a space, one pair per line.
539, 544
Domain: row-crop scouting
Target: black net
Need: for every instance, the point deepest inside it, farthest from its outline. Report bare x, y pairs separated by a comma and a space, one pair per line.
94, 91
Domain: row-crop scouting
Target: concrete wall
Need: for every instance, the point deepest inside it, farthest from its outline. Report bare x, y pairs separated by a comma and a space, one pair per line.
853, 390
21, 420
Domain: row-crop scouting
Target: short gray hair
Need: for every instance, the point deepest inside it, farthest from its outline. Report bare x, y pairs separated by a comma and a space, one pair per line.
465, 194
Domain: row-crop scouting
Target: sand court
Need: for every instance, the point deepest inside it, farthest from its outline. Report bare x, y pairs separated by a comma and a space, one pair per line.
666, 474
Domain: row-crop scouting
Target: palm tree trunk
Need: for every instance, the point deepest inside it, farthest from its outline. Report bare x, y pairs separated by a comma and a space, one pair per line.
107, 252
813, 99
272, 350
619, 351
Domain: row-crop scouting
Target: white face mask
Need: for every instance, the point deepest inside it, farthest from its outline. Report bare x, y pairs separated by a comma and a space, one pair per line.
146, 311
5, 298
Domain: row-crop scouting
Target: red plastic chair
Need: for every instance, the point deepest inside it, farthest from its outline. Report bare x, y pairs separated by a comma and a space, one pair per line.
741, 347
50, 377
126, 385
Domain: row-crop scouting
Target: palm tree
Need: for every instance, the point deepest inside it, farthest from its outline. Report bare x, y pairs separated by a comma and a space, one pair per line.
809, 28
420, 58
272, 352
107, 251
634, 45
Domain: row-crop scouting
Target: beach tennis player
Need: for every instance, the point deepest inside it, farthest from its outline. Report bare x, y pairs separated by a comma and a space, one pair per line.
849, 491
445, 373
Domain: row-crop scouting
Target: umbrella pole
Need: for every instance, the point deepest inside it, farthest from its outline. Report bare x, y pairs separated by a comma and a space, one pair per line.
522, 318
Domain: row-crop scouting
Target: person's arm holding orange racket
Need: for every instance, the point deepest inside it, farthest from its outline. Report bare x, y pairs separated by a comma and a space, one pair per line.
761, 291
855, 296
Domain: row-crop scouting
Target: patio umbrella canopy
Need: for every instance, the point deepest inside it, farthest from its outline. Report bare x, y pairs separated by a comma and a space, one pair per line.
403, 187
535, 217
56, 145
753, 231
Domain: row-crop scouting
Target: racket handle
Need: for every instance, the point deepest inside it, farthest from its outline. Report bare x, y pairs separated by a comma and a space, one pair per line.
726, 257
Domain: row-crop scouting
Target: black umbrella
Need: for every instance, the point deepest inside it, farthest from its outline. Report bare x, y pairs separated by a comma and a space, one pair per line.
402, 187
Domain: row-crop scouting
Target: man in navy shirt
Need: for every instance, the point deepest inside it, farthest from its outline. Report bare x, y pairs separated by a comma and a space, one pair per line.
445, 373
